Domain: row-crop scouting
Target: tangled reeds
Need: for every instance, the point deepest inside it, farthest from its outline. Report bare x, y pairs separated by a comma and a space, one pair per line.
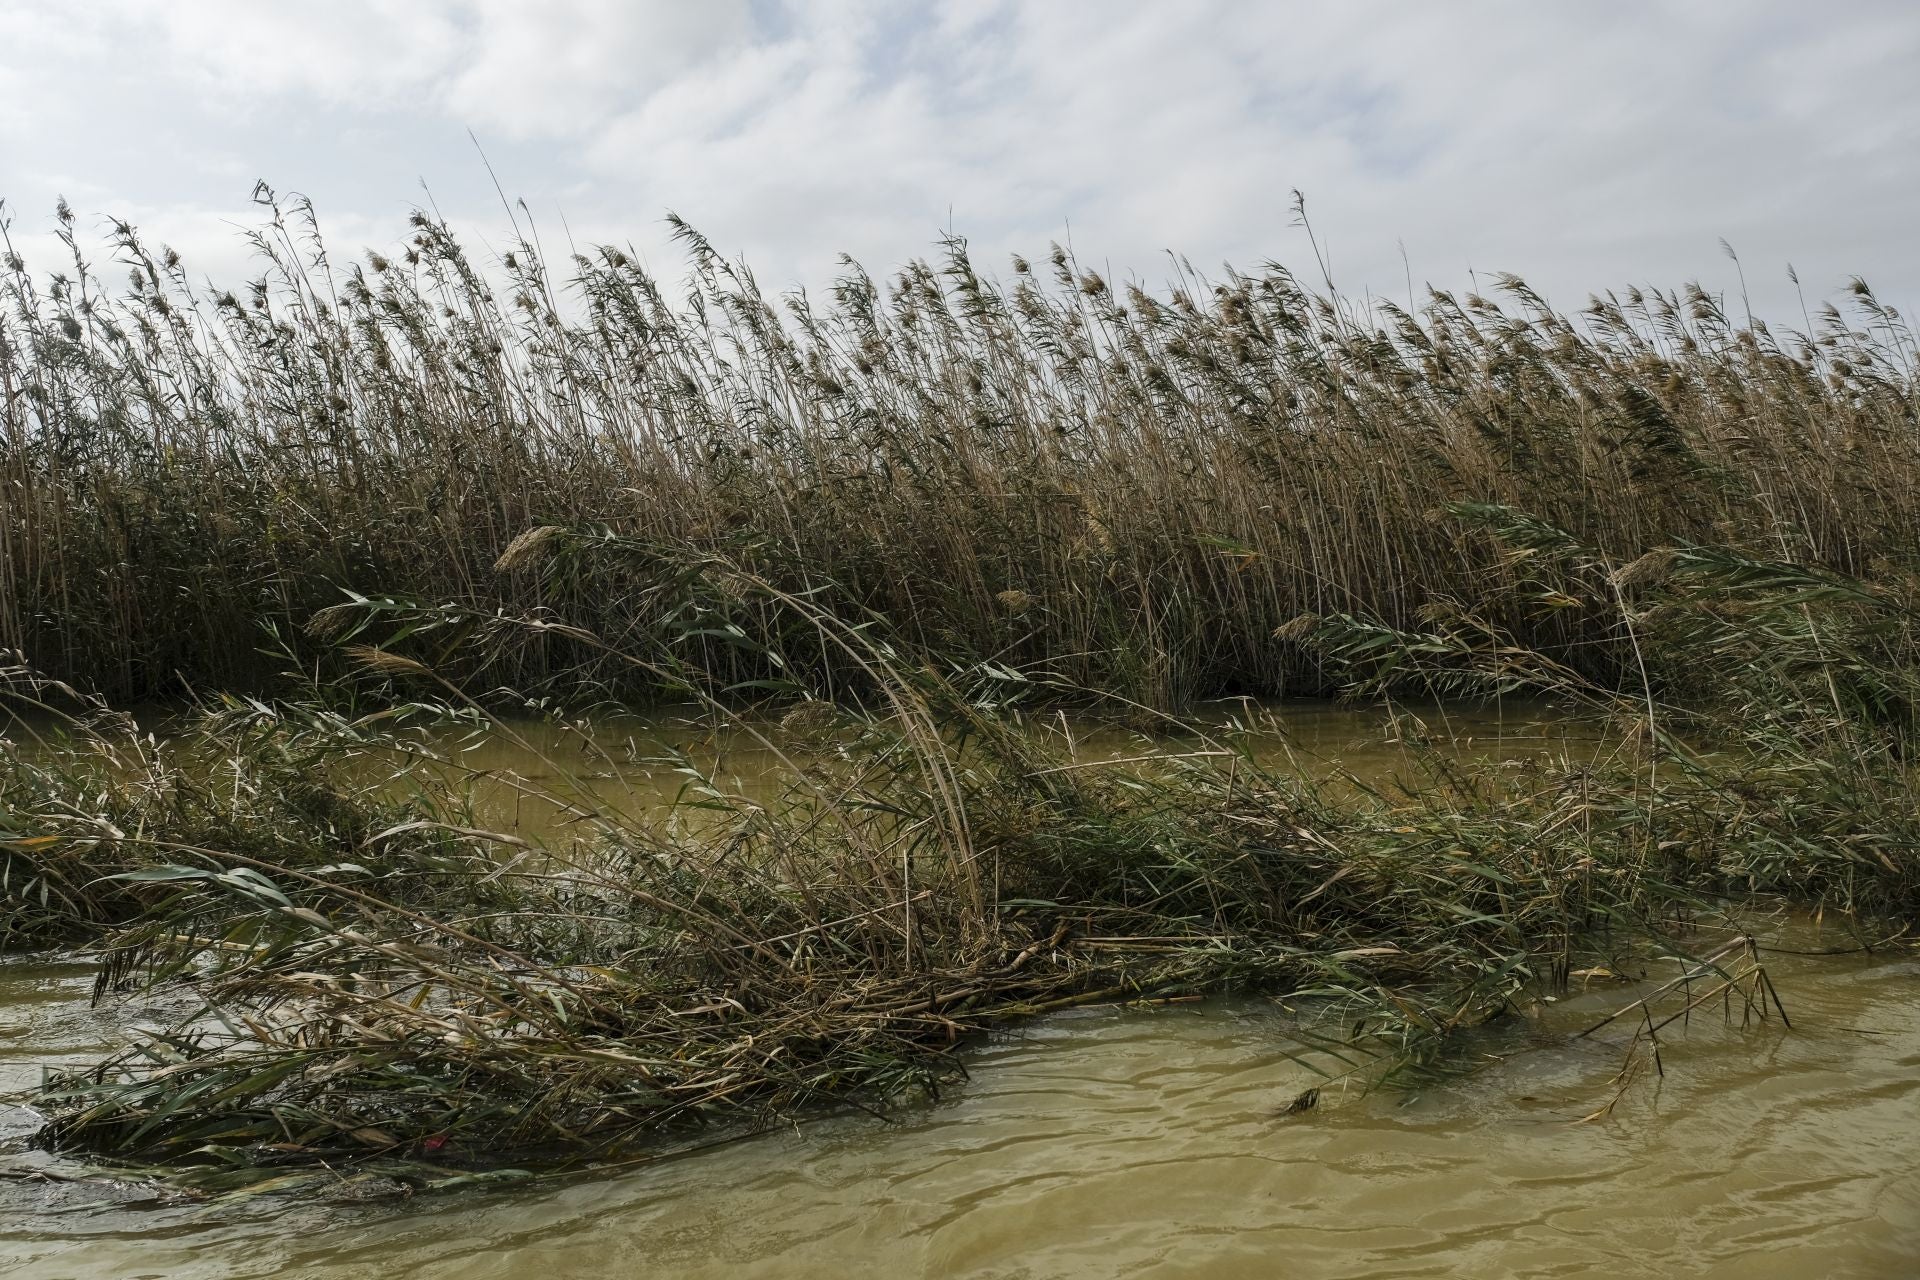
1133, 487
390, 985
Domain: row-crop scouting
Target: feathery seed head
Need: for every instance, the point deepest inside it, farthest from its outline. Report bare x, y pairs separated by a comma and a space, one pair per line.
1297, 628
1649, 570
528, 549
375, 659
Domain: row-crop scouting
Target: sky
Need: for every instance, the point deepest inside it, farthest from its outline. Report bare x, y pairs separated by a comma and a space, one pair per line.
1584, 146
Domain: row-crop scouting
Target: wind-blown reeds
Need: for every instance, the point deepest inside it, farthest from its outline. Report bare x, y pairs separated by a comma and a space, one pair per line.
404, 989
1132, 486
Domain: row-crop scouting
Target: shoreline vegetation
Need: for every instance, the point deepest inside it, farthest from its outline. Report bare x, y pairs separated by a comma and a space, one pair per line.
1130, 488
909, 521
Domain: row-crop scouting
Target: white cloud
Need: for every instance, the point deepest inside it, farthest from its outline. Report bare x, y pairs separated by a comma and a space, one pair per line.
345, 53
1586, 146
556, 68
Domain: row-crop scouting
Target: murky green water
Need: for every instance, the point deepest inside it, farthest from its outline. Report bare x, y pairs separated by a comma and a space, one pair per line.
531, 771
1148, 1143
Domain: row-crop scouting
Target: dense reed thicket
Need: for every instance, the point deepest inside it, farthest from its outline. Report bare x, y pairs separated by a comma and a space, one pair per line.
392, 987
1131, 486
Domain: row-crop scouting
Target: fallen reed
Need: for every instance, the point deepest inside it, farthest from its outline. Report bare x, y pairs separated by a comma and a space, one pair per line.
388, 985
1130, 486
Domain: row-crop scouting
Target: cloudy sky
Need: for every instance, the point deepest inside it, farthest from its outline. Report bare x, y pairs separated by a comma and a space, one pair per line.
1585, 146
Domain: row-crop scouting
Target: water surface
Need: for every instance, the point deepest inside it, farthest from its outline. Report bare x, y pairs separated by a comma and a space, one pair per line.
1147, 1143
1137, 1142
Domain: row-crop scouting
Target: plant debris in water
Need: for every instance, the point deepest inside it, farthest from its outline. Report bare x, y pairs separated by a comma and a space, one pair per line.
391, 987
904, 517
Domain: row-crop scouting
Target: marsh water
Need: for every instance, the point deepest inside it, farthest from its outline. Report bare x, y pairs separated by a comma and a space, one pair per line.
1144, 1141
543, 777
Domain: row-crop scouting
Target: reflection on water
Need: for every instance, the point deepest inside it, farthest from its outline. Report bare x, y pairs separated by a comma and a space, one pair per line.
1121, 1142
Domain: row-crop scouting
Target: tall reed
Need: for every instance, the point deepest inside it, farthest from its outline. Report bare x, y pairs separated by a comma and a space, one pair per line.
1133, 486
391, 986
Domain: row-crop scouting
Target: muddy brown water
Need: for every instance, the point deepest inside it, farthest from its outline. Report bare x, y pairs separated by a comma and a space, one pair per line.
1110, 1142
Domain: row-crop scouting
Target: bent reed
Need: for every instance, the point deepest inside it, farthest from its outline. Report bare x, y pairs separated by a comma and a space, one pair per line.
1131, 487
908, 513
393, 991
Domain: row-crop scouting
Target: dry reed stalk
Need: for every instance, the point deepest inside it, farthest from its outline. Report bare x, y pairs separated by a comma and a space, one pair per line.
1160, 479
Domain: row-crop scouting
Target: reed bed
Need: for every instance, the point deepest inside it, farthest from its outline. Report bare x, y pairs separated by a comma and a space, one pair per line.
389, 987
1130, 487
